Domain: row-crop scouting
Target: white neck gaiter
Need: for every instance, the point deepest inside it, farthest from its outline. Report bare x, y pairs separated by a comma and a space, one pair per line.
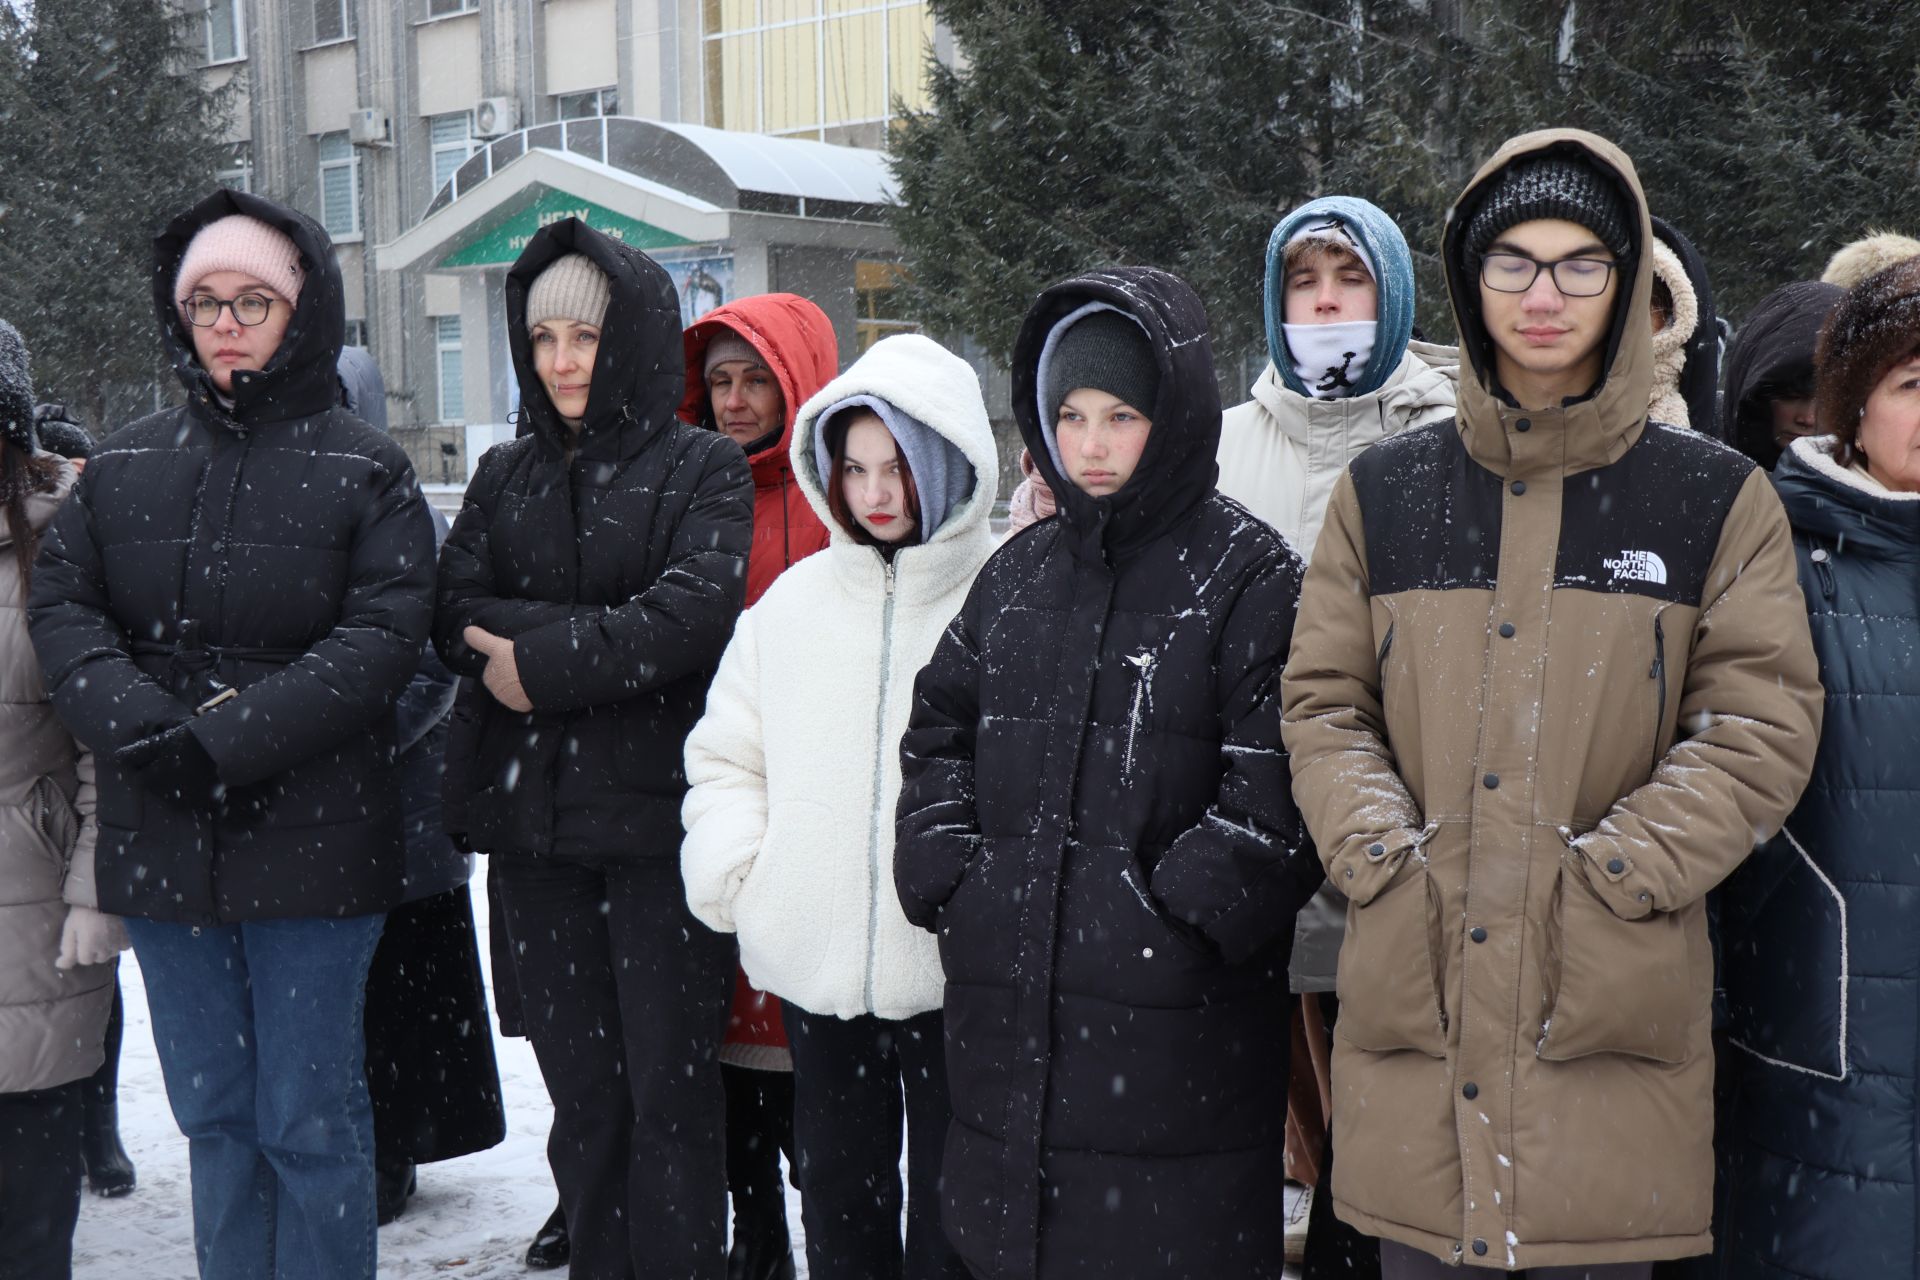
1330, 358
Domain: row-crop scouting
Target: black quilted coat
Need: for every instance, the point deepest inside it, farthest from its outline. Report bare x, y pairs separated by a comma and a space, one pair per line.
617, 568
281, 547
1097, 818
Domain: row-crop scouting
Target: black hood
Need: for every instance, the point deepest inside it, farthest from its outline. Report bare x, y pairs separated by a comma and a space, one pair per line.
299, 380
1700, 375
1177, 471
1773, 350
639, 374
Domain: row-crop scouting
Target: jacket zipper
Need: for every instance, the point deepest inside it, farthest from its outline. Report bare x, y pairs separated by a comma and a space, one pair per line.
1380, 665
1658, 672
879, 786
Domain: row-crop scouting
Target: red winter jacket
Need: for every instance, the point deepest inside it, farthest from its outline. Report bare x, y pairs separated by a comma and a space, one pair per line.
796, 340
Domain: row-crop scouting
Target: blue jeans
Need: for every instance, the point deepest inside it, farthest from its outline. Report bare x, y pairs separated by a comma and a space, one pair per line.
258, 1028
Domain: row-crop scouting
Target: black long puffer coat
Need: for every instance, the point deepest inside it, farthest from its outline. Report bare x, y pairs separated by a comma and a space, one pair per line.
1097, 818
1819, 1121
616, 570
295, 539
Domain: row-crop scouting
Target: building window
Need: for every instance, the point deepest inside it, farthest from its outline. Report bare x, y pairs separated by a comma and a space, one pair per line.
356, 333
332, 20
237, 174
226, 30
584, 106
441, 8
451, 137
803, 67
339, 185
446, 342
876, 297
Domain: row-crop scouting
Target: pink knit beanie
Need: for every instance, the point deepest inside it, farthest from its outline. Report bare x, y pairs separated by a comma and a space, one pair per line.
248, 245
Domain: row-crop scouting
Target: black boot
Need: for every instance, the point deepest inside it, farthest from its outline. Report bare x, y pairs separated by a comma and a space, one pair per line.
761, 1248
551, 1245
109, 1171
392, 1185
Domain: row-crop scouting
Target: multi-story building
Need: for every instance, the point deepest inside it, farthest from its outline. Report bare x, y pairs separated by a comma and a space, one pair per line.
738, 141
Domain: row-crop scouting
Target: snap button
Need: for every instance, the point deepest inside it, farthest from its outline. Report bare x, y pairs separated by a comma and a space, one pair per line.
1376, 850
1524, 424
1480, 1248
1519, 487
1506, 631
1470, 1091
1349, 873
1819, 555
1478, 934
218, 545
1491, 782
1615, 866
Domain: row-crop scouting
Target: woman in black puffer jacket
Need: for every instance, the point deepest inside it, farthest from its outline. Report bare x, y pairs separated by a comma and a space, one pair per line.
1819, 1117
590, 583
1096, 816
226, 610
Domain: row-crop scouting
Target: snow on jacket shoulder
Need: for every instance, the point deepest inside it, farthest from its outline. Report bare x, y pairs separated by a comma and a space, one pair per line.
795, 766
1281, 452
51, 1022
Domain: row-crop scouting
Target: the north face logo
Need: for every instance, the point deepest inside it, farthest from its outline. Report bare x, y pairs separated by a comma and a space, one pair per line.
1638, 566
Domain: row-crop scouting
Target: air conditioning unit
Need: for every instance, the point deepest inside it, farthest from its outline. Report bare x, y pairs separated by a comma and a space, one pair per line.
367, 127
495, 116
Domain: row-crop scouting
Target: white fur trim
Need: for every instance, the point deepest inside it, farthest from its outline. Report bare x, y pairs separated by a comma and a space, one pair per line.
1817, 453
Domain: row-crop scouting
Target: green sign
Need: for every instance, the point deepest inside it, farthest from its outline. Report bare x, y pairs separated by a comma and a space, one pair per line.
498, 239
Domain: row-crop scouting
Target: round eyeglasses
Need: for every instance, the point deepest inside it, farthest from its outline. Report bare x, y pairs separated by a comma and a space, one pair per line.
1574, 277
202, 310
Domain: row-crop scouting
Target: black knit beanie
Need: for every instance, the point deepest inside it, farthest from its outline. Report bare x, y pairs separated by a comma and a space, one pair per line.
1553, 186
1109, 352
16, 390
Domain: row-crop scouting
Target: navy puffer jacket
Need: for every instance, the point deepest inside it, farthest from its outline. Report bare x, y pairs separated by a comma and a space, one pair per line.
1819, 1148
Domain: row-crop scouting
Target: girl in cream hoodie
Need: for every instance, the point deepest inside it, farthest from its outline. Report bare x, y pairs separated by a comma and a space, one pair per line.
794, 772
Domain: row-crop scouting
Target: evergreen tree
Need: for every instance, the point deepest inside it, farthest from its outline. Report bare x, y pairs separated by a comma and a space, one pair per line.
108, 131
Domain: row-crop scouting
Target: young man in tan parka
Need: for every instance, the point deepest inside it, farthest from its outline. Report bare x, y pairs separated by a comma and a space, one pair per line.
1550, 682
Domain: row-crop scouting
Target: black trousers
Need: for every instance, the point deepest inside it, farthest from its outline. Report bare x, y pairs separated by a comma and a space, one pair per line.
40, 1173
430, 1068
625, 997
855, 1080
1398, 1262
759, 1129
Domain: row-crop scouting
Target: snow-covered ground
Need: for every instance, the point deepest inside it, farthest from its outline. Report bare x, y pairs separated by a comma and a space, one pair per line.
471, 1218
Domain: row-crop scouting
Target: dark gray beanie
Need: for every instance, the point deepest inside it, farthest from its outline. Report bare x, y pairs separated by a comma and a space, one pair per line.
1107, 351
1554, 186
16, 389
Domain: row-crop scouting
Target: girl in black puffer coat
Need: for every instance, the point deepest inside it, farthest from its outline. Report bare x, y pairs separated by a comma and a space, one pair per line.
590, 584
1096, 817
226, 610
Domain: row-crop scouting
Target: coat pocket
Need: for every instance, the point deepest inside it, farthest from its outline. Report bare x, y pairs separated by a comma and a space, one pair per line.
1613, 985
1389, 975
1784, 954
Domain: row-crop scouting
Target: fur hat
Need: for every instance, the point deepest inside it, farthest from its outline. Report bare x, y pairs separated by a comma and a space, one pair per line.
1869, 256
247, 245
1670, 344
16, 390
1874, 327
571, 288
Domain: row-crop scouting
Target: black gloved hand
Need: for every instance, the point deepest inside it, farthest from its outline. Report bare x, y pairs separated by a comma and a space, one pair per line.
173, 765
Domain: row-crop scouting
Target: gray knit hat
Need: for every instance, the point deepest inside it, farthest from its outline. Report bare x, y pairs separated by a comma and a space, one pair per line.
571, 288
1107, 351
1552, 186
16, 390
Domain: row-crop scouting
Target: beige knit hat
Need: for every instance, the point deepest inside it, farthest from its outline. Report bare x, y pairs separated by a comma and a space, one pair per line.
248, 245
572, 288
